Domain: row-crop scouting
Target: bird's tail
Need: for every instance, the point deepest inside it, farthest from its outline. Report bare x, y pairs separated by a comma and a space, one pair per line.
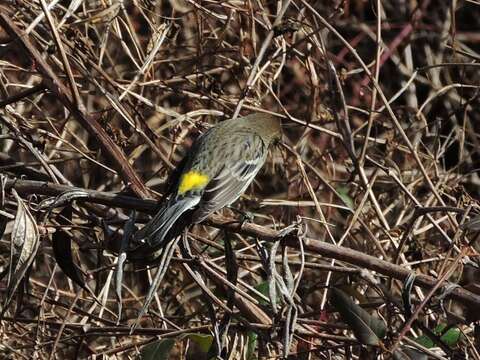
167, 224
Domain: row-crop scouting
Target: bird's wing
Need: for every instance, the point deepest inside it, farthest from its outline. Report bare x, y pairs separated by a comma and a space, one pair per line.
163, 226
232, 179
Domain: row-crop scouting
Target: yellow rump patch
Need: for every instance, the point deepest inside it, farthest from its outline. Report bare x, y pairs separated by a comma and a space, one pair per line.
191, 180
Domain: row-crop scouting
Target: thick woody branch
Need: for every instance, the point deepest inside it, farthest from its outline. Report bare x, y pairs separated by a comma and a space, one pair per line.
315, 246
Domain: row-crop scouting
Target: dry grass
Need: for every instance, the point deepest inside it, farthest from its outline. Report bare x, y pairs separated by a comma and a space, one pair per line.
380, 157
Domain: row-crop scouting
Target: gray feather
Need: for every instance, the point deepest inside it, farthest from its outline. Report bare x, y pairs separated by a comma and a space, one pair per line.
229, 184
153, 234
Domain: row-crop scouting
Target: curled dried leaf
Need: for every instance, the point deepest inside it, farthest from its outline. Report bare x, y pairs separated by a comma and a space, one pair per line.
24, 245
63, 199
366, 328
62, 249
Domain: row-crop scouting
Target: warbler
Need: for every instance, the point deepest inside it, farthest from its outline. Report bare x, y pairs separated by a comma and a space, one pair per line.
218, 168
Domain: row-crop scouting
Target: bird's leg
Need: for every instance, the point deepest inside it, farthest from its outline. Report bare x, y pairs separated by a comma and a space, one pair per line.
247, 216
230, 260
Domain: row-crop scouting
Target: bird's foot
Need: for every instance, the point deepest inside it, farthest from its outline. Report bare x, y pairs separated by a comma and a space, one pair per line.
246, 216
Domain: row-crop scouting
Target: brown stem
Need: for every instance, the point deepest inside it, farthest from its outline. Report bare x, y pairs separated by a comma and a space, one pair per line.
63, 93
262, 232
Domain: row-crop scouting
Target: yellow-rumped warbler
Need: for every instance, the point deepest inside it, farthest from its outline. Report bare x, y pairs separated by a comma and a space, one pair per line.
218, 168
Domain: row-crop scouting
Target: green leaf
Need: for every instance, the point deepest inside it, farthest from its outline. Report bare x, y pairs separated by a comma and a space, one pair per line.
450, 338
347, 200
203, 341
252, 344
425, 341
263, 288
158, 350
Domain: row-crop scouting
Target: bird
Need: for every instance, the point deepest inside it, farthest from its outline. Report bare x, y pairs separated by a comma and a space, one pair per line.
214, 173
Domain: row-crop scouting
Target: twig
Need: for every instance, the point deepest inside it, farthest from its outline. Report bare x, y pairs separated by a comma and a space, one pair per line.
318, 247
54, 84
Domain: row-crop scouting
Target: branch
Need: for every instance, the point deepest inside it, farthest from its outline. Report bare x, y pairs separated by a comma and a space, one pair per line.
55, 85
262, 232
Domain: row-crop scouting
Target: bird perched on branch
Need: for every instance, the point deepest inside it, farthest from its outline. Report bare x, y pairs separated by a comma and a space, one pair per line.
218, 168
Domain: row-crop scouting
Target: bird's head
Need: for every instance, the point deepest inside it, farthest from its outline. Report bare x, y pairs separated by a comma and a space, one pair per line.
267, 126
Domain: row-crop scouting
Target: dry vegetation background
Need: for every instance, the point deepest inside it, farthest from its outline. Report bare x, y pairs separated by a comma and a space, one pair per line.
100, 99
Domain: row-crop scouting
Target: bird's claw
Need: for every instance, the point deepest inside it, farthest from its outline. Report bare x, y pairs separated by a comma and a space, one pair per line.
246, 216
